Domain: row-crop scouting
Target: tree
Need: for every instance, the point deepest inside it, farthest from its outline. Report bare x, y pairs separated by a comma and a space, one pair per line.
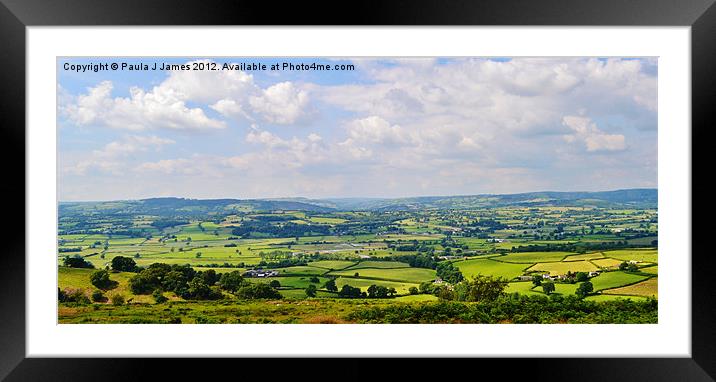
537, 280
480, 288
124, 264
210, 277
413, 290
311, 290
623, 266
449, 272
632, 267
584, 289
231, 281
348, 291
199, 290
144, 283
582, 276
100, 279
275, 284
331, 285
76, 261
314, 280
257, 291
372, 291
548, 287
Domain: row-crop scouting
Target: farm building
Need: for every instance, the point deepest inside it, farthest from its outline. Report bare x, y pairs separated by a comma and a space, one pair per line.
260, 273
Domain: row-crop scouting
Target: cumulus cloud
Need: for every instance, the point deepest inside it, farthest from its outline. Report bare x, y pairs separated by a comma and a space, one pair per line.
282, 103
159, 108
594, 139
231, 93
398, 127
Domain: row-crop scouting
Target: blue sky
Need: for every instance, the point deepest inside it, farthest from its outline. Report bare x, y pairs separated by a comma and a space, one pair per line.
389, 128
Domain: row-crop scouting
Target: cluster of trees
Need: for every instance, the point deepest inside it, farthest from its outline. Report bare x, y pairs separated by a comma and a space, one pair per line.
76, 261
580, 247
167, 223
189, 284
183, 280
479, 288
69, 249
348, 291
584, 289
280, 230
514, 308
629, 267
448, 272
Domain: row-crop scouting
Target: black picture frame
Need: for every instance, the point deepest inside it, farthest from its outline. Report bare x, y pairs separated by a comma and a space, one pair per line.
700, 15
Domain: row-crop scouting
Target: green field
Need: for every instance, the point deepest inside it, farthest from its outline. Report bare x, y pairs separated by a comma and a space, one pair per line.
641, 255
563, 267
331, 265
533, 257
379, 264
411, 275
585, 256
608, 280
470, 268
363, 284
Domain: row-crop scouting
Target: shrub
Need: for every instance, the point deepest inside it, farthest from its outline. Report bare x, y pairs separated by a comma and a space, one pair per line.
76, 296
159, 296
117, 299
98, 296
101, 280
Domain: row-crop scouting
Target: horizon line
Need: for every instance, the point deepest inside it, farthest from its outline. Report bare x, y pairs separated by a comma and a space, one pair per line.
354, 197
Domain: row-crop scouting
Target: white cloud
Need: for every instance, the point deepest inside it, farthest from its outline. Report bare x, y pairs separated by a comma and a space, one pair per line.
282, 103
160, 108
413, 127
594, 139
110, 157
231, 93
377, 130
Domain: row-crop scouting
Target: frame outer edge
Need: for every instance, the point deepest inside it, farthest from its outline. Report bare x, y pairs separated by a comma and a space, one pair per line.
703, 82
12, 112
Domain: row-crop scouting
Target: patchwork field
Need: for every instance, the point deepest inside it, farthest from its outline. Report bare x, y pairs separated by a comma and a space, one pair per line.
403, 248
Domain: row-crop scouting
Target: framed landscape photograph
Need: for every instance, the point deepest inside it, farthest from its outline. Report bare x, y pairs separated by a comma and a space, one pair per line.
445, 186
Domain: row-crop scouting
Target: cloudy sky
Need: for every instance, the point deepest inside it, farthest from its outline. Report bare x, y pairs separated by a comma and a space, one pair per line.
389, 128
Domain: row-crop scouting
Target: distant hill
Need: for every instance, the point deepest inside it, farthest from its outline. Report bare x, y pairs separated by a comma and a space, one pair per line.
635, 198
